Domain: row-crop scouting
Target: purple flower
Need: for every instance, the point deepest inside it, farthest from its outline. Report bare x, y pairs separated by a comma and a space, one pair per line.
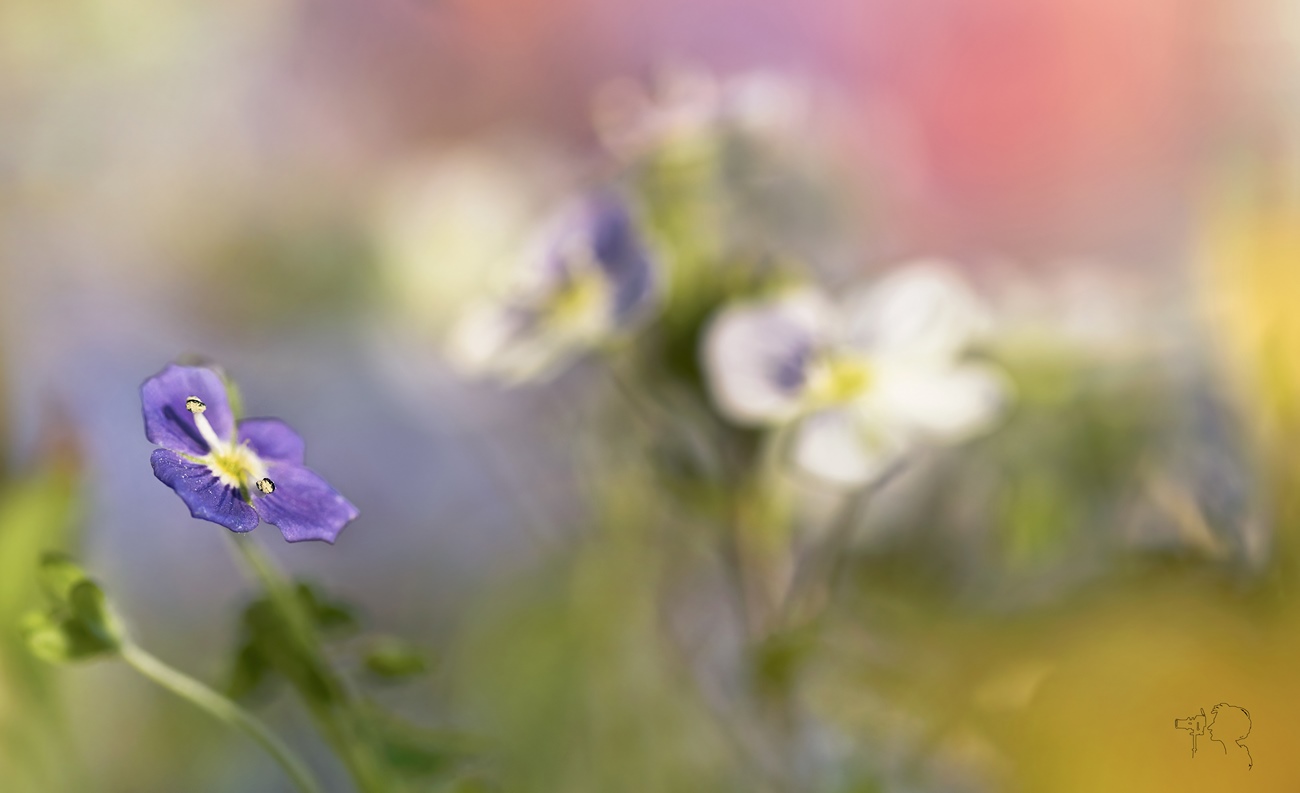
592, 278
235, 473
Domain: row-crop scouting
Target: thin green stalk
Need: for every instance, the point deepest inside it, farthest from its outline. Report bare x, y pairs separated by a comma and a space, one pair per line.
817, 573
223, 709
341, 723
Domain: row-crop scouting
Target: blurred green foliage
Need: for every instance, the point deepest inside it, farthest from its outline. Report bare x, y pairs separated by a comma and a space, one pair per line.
268, 648
385, 752
80, 624
39, 512
1099, 464
282, 269
390, 659
572, 674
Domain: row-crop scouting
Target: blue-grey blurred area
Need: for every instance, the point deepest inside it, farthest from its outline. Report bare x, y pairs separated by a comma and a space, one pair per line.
311, 194
167, 189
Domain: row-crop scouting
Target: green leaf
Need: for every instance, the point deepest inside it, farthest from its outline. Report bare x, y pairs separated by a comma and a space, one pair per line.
90, 608
392, 659
270, 649
250, 672
37, 513
415, 751
333, 618
39, 510
58, 575
270, 645
64, 639
80, 624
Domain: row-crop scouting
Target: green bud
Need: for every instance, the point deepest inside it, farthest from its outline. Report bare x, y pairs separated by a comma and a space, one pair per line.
58, 575
80, 624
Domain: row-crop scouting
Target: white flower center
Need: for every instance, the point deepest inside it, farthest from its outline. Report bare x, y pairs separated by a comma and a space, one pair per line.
235, 465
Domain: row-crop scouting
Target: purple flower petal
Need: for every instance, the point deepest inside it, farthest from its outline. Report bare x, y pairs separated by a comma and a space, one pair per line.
206, 496
621, 253
167, 422
757, 354
273, 440
303, 504
603, 225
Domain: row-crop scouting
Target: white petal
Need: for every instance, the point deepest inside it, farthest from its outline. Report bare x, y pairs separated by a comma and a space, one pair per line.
453, 227
922, 311
767, 104
492, 341
480, 336
952, 403
755, 354
840, 447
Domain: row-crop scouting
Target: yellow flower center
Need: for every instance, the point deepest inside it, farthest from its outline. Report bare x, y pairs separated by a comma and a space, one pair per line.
582, 302
235, 465
837, 378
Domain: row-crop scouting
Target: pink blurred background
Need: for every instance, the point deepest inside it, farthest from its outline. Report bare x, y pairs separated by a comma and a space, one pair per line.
1016, 125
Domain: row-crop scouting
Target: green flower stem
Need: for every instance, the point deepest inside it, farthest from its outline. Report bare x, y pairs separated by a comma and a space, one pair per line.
223, 709
340, 722
817, 573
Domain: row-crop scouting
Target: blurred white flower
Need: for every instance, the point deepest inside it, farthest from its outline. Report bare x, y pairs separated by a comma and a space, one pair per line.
1089, 306
862, 382
591, 277
686, 108
451, 228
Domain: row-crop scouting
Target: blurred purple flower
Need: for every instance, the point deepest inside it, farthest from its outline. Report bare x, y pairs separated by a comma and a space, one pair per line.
235, 473
594, 277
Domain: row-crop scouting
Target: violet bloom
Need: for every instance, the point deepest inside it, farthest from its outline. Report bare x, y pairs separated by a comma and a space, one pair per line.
235, 473
863, 382
593, 278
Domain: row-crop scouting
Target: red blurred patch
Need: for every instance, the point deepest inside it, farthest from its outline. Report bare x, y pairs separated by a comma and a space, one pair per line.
1032, 112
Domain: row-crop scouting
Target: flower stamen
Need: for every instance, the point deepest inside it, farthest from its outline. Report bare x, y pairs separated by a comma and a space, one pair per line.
235, 465
196, 406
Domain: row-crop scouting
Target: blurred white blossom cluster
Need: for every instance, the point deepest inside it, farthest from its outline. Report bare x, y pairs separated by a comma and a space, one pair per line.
849, 385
